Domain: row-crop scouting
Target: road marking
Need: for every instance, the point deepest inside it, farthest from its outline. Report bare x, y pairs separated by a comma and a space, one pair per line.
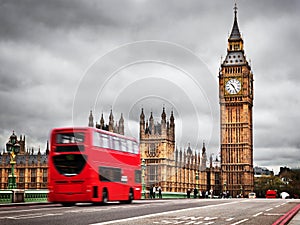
229, 219
273, 214
30, 216
277, 206
189, 218
162, 213
257, 214
268, 209
241, 221
30, 210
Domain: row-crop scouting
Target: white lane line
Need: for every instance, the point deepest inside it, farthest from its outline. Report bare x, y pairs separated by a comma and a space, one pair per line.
160, 214
29, 210
274, 214
268, 209
30, 216
277, 206
229, 219
241, 221
257, 214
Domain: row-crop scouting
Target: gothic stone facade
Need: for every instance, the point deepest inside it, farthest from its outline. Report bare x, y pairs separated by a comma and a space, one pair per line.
172, 169
31, 169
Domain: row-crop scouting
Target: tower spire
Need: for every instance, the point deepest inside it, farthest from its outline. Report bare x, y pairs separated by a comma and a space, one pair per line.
91, 119
235, 32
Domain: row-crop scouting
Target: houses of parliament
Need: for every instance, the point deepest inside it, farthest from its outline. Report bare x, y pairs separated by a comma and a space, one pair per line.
172, 168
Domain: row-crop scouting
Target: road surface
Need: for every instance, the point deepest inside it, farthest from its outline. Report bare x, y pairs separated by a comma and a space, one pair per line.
180, 211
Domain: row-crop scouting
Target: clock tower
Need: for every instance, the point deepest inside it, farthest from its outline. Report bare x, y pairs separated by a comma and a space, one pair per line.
236, 102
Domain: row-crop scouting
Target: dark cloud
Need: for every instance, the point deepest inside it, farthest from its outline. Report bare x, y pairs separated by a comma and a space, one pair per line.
47, 48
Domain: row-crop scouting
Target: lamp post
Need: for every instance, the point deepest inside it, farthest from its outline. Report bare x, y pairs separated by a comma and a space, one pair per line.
197, 180
143, 178
13, 148
225, 191
241, 188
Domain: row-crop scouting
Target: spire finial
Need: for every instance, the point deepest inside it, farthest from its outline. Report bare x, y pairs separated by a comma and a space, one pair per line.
235, 9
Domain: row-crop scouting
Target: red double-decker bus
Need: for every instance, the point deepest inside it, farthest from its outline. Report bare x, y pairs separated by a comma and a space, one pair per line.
93, 165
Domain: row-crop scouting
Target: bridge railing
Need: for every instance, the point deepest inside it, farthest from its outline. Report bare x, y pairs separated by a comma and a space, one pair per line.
36, 196
6, 196
19, 195
146, 195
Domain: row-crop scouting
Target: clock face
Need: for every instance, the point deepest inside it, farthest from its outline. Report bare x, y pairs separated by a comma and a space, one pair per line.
233, 86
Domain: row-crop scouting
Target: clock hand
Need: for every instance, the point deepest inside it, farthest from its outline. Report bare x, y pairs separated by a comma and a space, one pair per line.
234, 88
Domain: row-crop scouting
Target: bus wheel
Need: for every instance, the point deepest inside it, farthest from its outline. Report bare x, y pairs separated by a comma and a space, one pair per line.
130, 196
104, 196
68, 204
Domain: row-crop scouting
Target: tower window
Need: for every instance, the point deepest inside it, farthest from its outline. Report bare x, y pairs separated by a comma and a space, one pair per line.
152, 149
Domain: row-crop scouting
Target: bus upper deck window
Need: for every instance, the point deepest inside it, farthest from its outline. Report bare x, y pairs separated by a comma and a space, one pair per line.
116, 142
124, 145
105, 141
135, 148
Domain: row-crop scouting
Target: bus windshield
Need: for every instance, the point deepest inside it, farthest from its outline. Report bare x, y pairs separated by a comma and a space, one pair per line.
70, 164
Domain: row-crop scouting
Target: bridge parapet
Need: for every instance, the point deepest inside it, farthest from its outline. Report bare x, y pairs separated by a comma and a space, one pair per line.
20, 195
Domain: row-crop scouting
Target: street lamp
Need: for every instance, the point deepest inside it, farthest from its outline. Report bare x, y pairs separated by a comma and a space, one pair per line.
197, 179
241, 188
225, 191
143, 178
197, 184
13, 148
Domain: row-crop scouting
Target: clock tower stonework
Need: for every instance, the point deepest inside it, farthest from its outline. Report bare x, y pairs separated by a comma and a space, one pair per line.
236, 102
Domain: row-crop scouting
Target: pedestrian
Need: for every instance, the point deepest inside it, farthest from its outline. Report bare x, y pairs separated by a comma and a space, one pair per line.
206, 194
195, 192
188, 193
159, 192
154, 190
151, 192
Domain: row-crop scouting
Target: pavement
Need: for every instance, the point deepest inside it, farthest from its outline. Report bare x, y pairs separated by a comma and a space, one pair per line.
296, 219
290, 218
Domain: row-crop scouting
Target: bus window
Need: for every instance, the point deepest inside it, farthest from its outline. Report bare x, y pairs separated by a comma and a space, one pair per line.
124, 145
97, 139
69, 165
105, 141
130, 146
135, 148
70, 138
109, 174
116, 142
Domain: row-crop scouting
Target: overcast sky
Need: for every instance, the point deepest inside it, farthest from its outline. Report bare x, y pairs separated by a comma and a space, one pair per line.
61, 59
